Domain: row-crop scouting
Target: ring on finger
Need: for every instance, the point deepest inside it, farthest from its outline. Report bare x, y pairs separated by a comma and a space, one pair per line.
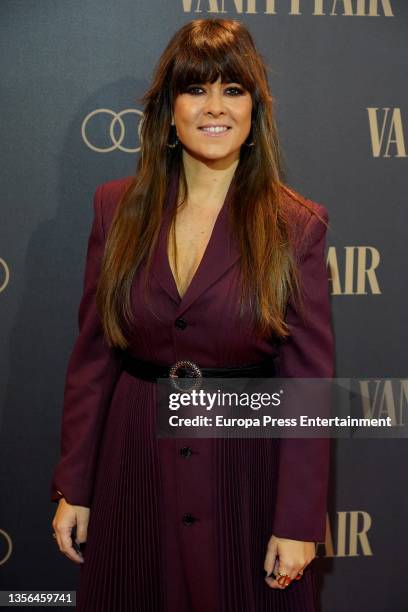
282, 579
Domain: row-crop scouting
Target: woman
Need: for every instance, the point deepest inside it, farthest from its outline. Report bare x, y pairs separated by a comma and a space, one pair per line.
205, 255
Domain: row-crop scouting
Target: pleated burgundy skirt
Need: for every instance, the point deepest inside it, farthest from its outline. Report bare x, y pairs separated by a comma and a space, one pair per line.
143, 556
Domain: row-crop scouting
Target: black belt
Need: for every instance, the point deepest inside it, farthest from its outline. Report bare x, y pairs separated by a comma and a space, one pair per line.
148, 370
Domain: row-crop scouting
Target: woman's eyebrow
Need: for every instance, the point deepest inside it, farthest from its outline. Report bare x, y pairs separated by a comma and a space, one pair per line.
222, 83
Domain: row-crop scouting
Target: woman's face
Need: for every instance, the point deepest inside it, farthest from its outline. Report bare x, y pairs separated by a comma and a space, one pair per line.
218, 104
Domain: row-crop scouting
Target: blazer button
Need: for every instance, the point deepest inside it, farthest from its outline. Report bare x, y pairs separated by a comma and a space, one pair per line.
185, 451
188, 519
180, 323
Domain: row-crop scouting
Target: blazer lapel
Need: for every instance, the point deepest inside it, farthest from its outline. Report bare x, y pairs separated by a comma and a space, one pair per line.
221, 252
160, 259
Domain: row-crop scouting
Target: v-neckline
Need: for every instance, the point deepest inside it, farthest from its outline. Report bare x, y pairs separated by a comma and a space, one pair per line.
207, 251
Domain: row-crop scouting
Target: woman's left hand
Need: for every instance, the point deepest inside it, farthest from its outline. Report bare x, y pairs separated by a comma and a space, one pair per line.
287, 557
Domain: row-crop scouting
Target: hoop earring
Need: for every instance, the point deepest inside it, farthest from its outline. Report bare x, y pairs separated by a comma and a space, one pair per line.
251, 144
174, 139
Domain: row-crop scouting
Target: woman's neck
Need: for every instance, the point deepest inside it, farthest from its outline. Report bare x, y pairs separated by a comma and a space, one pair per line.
207, 184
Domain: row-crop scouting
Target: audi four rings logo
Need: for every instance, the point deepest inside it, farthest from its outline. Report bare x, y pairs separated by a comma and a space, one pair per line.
115, 130
6, 275
7, 546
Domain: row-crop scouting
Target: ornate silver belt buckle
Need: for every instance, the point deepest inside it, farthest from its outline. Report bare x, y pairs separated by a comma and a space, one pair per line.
192, 371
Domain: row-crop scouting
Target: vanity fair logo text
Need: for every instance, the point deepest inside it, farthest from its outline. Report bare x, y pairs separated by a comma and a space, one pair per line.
332, 8
347, 535
382, 398
353, 272
386, 132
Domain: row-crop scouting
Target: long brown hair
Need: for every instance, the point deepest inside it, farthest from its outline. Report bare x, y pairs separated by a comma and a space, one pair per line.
199, 52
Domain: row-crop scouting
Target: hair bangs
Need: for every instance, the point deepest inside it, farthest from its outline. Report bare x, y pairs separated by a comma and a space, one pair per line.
200, 65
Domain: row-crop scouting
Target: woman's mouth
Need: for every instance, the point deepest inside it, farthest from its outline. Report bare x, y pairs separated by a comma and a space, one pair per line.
215, 131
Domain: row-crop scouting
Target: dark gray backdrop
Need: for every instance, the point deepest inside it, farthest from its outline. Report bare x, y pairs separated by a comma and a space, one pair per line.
63, 60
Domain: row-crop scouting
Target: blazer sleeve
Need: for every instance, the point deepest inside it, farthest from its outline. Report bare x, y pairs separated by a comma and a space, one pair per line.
93, 368
301, 503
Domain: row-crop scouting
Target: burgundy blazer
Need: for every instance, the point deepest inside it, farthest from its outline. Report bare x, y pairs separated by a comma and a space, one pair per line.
93, 368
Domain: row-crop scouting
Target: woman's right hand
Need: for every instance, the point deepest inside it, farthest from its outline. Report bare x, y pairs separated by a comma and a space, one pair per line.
66, 517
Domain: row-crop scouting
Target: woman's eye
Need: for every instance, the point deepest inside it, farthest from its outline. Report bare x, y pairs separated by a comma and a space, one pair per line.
238, 91
192, 90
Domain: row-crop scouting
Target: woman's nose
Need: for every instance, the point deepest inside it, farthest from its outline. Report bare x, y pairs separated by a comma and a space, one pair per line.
214, 104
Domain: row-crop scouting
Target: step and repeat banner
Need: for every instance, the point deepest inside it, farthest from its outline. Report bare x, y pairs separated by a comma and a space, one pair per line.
72, 72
